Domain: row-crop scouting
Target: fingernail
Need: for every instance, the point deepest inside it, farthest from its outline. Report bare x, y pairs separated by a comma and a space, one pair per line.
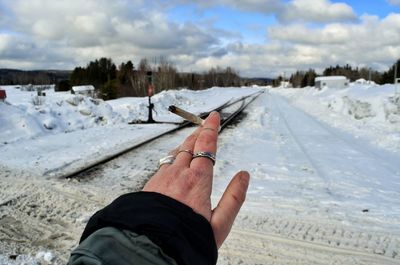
245, 177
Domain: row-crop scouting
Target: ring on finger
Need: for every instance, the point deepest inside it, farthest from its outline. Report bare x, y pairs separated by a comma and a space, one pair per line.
212, 129
166, 160
186, 151
208, 155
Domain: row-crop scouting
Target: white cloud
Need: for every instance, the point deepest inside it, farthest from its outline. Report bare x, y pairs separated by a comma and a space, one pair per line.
322, 11
372, 42
394, 2
66, 34
85, 30
264, 6
316, 11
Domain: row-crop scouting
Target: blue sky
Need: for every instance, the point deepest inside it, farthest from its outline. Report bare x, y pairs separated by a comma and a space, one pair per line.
249, 26
380, 8
256, 37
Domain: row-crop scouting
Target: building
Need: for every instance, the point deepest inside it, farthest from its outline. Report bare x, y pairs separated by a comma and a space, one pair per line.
337, 82
83, 90
2, 95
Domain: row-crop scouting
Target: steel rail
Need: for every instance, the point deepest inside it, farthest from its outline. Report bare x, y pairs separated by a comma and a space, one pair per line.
224, 123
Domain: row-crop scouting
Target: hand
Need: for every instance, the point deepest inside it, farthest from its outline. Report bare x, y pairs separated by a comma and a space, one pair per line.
189, 180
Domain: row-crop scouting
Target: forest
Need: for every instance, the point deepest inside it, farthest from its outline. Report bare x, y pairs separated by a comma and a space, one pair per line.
130, 80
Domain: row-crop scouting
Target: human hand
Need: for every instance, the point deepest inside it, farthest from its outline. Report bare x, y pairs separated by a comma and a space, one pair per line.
189, 180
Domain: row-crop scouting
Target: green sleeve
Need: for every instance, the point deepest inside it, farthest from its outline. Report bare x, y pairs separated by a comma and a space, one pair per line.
111, 246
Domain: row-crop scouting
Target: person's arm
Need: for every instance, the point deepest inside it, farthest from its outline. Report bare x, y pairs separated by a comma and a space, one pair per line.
175, 228
118, 247
174, 210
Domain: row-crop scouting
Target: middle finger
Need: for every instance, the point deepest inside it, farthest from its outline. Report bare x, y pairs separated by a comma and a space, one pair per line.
206, 142
185, 152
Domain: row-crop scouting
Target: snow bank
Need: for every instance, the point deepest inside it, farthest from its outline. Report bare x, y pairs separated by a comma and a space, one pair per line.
366, 110
74, 130
132, 109
26, 115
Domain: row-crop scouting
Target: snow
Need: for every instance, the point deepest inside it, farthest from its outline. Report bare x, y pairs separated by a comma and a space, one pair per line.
330, 78
324, 166
82, 88
87, 129
364, 110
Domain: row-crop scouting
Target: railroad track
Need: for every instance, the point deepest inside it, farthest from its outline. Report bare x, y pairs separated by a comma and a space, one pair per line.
229, 111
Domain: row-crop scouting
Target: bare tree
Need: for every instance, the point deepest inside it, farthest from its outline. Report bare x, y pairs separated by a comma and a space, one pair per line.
166, 75
138, 80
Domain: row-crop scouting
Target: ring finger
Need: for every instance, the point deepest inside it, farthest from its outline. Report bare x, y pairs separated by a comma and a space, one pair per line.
185, 152
166, 161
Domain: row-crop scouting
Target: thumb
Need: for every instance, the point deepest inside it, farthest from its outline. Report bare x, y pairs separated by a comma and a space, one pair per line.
224, 214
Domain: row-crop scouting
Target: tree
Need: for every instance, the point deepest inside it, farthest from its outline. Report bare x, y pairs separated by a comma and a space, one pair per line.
309, 78
96, 73
109, 90
277, 82
296, 79
165, 77
388, 76
303, 79
63, 85
124, 75
221, 77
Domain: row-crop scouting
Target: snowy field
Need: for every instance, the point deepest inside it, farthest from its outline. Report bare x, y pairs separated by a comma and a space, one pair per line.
324, 166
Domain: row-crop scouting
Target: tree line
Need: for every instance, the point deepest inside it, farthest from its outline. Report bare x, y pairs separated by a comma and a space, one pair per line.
128, 80
306, 78
35, 77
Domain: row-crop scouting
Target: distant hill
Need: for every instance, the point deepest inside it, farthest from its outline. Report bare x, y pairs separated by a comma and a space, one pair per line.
260, 81
34, 77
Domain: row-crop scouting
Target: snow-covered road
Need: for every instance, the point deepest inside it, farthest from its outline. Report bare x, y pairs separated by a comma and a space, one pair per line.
350, 174
321, 195
318, 195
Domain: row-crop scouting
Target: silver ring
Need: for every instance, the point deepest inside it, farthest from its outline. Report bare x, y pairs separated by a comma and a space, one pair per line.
166, 160
208, 155
186, 151
211, 129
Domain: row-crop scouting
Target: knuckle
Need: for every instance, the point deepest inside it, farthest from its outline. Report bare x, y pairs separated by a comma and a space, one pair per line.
206, 139
238, 198
192, 178
199, 173
191, 138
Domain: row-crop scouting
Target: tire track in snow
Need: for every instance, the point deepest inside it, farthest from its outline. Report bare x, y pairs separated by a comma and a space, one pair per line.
319, 172
331, 236
276, 238
246, 246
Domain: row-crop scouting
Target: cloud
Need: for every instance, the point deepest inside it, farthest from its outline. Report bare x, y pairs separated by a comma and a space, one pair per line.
394, 2
85, 30
263, 6
371, 32
322, 11
66, 34
372, 42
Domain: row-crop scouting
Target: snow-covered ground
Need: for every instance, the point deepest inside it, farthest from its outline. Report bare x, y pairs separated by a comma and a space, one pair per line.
87, 129
364, 110
324, 165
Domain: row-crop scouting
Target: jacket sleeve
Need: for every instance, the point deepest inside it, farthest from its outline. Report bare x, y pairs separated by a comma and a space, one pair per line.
120, 247
175, 228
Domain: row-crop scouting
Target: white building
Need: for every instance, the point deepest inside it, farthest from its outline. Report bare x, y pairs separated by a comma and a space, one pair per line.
83, 90
337, 82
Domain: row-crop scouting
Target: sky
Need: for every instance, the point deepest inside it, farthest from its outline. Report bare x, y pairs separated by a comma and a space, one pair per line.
258, 38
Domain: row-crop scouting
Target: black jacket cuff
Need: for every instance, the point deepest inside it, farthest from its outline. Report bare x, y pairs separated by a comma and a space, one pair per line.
181, 233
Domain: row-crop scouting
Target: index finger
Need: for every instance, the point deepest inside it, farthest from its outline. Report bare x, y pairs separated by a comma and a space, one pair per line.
206, 142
